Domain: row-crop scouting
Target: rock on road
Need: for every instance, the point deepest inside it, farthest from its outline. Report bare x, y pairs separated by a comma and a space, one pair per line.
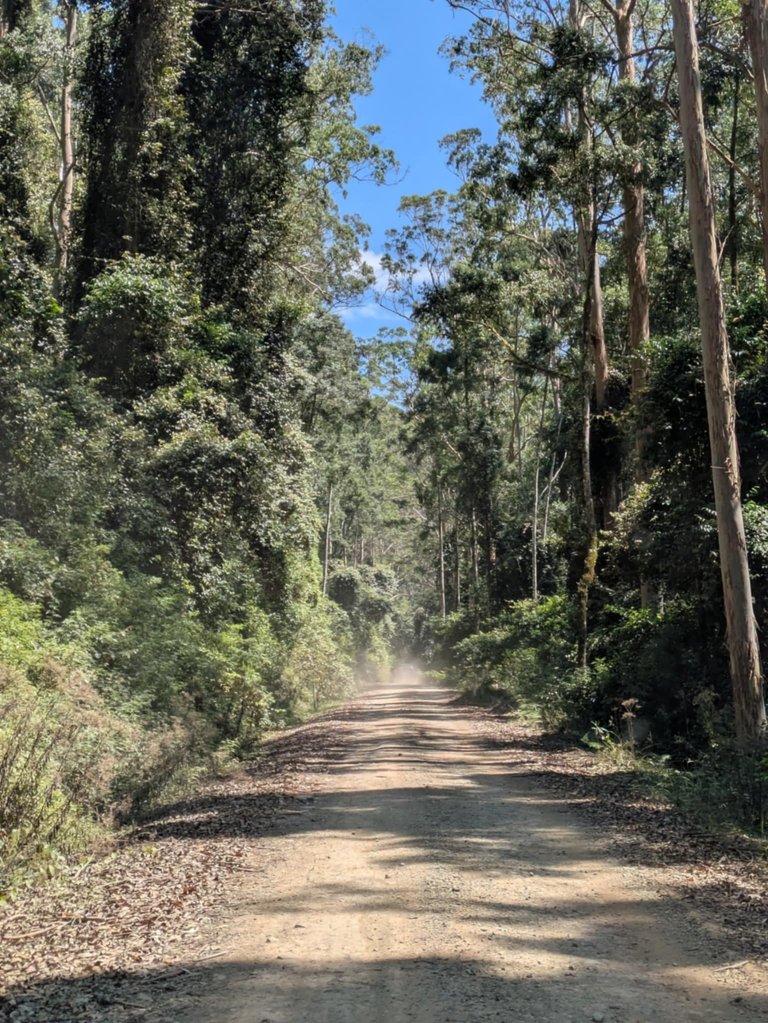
426, 880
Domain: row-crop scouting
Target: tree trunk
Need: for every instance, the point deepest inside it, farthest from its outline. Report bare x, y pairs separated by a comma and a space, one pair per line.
590, 548
64, 226
743, 646
634, 214
536, 498
596, 319
457, 556
733, 227
441, 541
756, 30
327, 553
590, 258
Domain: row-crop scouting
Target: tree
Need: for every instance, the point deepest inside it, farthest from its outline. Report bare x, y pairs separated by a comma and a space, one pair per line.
135, 134
756, 30
633, 197
744, 650
63, 221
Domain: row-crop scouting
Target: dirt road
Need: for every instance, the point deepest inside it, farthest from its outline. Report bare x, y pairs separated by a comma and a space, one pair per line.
393, 861
426, 882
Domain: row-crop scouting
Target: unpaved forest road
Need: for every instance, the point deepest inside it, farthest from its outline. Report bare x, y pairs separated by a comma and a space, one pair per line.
402, 858
428, 881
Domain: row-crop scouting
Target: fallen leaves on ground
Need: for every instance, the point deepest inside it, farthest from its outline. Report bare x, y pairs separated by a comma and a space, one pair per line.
715, 874
100, 943
146, 905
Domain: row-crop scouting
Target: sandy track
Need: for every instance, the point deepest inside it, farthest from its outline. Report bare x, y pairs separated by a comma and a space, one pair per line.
417, 872
426, 880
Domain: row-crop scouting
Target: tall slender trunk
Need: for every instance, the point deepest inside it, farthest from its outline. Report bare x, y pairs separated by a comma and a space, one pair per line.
733, 225
743, 645
327, 552
67, 183
554, 472
596, 318
633, 197
633, 194
756, 30
536, 498
475, 593
587, 241
441, 541
589, 519
457, 556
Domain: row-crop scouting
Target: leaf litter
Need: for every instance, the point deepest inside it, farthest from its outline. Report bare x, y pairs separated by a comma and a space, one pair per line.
96, 945
68, 948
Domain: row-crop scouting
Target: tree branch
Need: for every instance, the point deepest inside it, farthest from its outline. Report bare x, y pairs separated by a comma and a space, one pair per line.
724, 155
47, 109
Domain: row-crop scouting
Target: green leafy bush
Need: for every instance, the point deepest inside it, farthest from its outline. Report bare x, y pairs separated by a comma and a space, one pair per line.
525, 657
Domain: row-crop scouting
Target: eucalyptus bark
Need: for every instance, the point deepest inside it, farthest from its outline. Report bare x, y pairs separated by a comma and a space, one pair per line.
67, 183
441, 541
756, 31
633, 195
733, 227
744, 651
327, 551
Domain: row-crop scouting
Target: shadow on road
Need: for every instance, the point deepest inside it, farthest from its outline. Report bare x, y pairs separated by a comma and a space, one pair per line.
467, 822
385, 991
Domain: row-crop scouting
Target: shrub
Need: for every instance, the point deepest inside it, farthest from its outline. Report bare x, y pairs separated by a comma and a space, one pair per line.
526, 657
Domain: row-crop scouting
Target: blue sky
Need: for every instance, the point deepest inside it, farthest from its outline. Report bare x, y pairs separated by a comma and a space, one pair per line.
416, 101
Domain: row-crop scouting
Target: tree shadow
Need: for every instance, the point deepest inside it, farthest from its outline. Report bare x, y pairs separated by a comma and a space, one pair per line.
485, 821
424, 989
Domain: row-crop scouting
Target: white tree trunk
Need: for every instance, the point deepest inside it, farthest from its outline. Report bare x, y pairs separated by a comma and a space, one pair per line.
64, 227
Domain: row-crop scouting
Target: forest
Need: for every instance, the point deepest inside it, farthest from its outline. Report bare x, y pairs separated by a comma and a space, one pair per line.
221, 512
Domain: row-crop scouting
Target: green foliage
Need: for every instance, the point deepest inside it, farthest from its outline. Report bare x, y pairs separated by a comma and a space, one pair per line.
168, 437
134, 325
135, 133
525, 657
318, 670
43, 773
368, 597
249, 106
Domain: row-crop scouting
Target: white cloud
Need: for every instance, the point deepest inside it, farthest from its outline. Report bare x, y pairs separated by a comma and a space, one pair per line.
384, 288
383, 280
380, 275
367, 311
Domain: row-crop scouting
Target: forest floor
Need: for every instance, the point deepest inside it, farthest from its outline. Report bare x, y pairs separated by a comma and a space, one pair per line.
402, 858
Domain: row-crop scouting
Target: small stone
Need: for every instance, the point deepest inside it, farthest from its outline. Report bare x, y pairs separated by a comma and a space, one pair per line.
598, 1017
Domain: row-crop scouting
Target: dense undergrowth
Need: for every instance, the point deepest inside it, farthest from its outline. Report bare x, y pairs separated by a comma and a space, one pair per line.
98, 731
177, 401
672, 741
